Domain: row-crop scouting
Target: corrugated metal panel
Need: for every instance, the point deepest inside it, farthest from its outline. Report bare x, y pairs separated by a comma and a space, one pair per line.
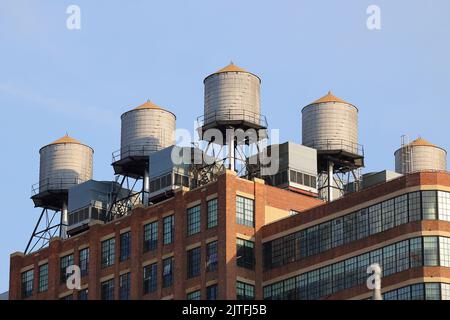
64, 165
232, 96
150, 128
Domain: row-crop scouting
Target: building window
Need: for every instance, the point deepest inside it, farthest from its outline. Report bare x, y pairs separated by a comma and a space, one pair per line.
212, 213
193, 220
167, 276
84, 261
430, 251
429, 205
375, 220
64, 262
150, 278
414, 206
245, 213
444, 252
124, 286
83, 294
43, 278
193, 262
108, 252
211, 256
245, 291
107, 290
211, 292
444, 205
125, 246
27, 279
67, 298
432, 291
168, 229
151, 236
194, 295
245, 254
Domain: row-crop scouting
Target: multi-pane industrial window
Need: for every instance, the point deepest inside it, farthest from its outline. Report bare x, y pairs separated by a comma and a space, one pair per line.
245, 253
193, 220
193, 262
150, 278
84, 261
64, 262
245, 213
333, 278
429, 205
414, 206
212, 213
194, 295
83, 294
27, 279
151, 236
430, 251
124, 286
125, 246
108, 252
357, 225
211, 256
245, 291
107, 290
167, 276
444, 205
168, 229
444, 251
43, 278
211, 292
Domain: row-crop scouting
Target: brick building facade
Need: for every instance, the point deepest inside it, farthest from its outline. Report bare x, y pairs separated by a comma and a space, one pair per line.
240, 239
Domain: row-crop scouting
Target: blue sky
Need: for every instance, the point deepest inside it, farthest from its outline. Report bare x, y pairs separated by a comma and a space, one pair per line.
54, 80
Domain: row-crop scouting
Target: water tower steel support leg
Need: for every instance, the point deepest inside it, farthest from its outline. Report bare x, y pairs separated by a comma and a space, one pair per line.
330, 180
231, 152
64, 221
146, 186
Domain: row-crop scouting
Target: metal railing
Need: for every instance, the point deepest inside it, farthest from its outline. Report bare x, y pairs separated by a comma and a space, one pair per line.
233, 115
134, 151
337, 144
61, 183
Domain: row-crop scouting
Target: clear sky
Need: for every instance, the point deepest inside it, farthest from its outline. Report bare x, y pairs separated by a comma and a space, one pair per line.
54, 80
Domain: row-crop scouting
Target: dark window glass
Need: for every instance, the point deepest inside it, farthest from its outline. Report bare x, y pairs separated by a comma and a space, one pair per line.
414, 206
150, 278
27, 279
211, 256
211, 292
125, 286
108, 252
84, 261
212, 213
168, 229
83, 294
193, 262
245, 254
194, 295
193, 220
107, 290
245, 291
151, 236
64, 262
167, 276
125, 246
43, 278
